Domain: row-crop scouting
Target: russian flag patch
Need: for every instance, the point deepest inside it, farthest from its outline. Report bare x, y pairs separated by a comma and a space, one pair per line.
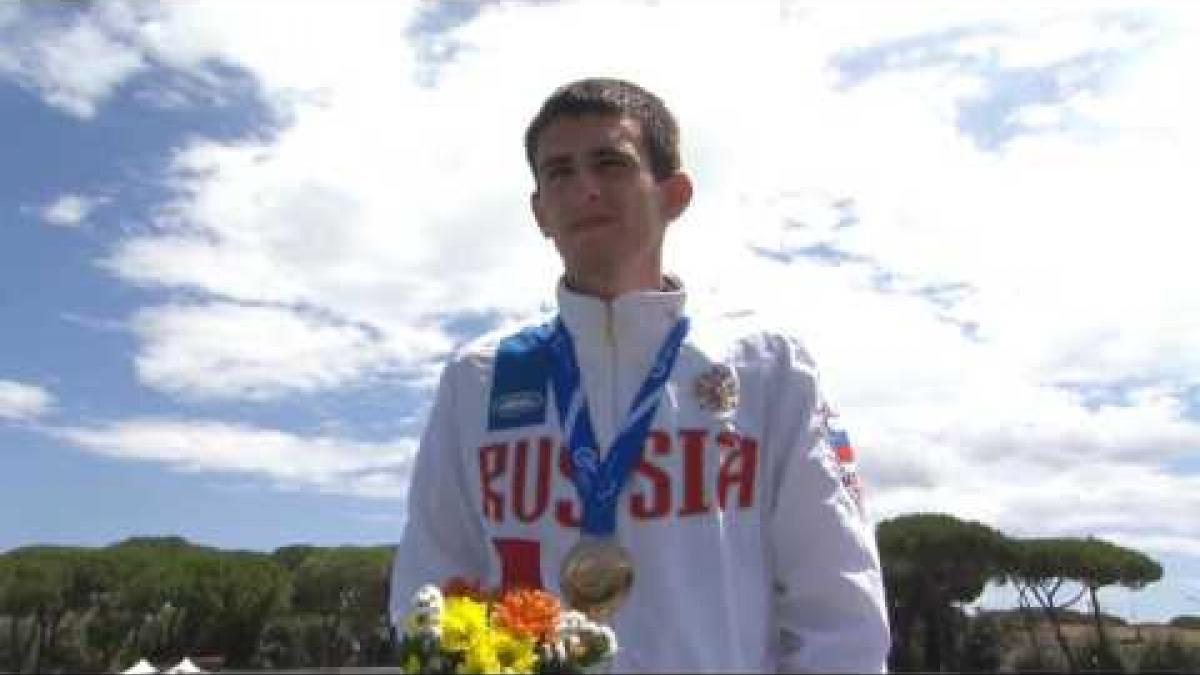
843, 451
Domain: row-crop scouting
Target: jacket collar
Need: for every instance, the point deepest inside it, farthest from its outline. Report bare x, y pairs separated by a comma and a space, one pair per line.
635, 323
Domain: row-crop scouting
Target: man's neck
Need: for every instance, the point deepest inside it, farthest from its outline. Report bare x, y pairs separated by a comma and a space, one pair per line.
609, 288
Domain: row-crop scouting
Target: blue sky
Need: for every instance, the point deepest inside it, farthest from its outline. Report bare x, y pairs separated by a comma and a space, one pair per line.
235, 246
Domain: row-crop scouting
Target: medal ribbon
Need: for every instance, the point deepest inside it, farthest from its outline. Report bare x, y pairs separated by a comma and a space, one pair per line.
599, 483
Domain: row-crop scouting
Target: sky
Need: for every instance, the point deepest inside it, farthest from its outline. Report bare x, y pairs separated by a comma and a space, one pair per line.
238, 240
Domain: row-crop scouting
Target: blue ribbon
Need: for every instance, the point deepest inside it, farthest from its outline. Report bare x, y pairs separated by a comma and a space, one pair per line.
599, 483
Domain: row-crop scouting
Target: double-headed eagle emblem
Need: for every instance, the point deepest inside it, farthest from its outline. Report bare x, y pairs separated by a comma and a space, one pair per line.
716, 389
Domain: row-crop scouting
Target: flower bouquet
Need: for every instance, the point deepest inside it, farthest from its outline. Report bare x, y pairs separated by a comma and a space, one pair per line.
463, 629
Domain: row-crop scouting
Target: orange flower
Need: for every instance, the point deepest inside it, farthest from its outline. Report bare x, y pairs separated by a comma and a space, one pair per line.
529, 613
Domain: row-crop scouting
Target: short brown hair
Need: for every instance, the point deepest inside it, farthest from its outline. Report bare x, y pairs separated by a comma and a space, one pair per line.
607, 96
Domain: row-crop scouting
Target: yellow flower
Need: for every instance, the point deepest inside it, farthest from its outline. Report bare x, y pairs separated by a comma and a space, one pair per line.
515, 654
500, 652
464, 623
480, 658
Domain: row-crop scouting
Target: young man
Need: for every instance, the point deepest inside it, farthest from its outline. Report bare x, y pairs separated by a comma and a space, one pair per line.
672, 473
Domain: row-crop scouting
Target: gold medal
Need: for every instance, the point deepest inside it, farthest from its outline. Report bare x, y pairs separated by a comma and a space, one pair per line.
596, 576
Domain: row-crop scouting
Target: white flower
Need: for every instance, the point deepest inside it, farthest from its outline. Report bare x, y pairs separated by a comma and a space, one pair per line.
608, 637
426, 621
426, 615
585, 643
559, 650
571, 622
575, 647
428, 597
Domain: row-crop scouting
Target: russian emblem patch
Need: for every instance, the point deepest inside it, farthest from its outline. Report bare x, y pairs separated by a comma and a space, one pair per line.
716, 389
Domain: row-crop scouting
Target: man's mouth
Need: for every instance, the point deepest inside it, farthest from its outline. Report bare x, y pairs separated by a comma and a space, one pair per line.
592, 222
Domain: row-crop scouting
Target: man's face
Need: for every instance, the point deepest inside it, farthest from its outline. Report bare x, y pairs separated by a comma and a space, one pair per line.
597, 198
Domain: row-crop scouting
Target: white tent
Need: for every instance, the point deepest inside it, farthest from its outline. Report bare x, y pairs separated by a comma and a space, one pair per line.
142, 666
185, 665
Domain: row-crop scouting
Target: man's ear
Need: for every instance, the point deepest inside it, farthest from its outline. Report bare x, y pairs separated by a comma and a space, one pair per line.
677, 194
535, 206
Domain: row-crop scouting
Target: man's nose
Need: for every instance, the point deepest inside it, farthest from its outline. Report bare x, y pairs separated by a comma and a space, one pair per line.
588, 187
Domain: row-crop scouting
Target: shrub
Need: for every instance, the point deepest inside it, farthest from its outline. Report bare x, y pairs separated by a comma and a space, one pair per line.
983, 647
1168, 655
1185, 621
1096, 656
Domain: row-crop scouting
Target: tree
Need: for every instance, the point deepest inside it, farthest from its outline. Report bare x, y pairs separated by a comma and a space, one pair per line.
930, 563
154, 592
345, 588
291, 556
1169, 655
1103, 564
229, 599
44, 587
139, 612
1040, 570
984, 645
1185, 621
86, 575
21, 587
1045, 567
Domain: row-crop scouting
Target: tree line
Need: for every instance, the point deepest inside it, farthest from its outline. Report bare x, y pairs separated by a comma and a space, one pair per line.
935, 565
74, 609
71, 609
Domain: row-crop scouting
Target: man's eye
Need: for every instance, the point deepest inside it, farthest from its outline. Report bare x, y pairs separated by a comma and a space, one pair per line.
557, 172
610, 162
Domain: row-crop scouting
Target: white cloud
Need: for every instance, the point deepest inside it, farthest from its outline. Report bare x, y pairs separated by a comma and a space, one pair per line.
77, 57
327, 464
74, 64
8, 14
23, 402
70, 210
223, 350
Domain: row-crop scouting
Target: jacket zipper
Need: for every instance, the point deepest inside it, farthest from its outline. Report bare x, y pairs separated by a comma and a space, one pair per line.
610, 333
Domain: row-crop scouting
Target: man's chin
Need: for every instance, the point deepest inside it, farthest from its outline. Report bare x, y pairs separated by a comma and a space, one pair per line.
594, 263
590, 252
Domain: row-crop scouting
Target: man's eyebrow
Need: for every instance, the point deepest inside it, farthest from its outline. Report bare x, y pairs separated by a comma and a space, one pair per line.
610, 151
599, 152
554, 161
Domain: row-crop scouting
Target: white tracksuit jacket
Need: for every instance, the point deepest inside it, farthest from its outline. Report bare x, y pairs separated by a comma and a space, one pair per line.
751, 552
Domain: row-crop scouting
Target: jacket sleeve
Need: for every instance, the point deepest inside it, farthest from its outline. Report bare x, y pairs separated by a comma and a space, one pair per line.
829, 605
442, 536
